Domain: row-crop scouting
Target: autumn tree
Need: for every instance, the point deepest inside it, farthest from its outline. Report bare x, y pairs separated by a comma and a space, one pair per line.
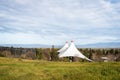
53, 54
39, 53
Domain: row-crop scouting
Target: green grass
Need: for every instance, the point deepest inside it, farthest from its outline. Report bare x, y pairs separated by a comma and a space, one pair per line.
18, 69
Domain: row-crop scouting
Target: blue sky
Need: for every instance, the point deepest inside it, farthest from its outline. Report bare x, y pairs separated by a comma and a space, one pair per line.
58, 21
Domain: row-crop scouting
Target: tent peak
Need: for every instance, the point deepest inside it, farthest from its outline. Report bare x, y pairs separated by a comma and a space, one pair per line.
72, 41
66, 41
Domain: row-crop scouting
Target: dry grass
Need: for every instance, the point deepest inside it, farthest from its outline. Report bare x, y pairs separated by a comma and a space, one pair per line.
19, 69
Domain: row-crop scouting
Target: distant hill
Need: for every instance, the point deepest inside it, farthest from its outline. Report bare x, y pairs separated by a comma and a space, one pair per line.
26, 45
101, 45
96, 45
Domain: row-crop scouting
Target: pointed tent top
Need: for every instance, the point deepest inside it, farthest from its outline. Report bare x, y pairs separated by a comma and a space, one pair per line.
72, 41
64, 47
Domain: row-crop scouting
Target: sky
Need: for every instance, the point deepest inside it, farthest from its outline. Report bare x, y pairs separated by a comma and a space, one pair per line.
57, 21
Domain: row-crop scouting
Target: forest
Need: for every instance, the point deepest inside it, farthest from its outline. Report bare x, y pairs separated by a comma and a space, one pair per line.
51, 54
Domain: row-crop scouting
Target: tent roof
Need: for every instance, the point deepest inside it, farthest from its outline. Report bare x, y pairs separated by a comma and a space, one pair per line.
72, 51
64, 47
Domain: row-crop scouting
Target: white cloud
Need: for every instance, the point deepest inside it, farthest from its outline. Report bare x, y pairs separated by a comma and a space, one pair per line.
24, 2
2, 15
96, 39
21, 38
60, 20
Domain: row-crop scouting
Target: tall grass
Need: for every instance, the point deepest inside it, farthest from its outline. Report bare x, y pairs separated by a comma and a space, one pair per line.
18, 69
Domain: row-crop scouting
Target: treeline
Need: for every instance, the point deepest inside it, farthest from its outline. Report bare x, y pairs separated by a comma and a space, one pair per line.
96, 54
28, 53
50, 54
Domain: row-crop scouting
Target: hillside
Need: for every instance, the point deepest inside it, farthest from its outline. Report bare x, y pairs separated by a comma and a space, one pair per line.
23, 69
102, 45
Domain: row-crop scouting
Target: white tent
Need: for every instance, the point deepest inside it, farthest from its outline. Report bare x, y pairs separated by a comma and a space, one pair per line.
65, 47
72, 51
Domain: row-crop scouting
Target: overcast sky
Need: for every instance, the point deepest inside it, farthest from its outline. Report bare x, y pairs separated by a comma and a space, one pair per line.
58, 21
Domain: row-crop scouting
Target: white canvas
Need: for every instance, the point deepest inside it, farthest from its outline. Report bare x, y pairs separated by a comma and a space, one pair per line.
72, 51
64, 47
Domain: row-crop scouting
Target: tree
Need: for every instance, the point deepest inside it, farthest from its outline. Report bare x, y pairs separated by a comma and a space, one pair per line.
53, 54
6, 53
30, 55
39, 53
90, 54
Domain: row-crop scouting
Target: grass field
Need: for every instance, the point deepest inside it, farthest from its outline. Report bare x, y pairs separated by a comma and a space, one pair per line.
19, 69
